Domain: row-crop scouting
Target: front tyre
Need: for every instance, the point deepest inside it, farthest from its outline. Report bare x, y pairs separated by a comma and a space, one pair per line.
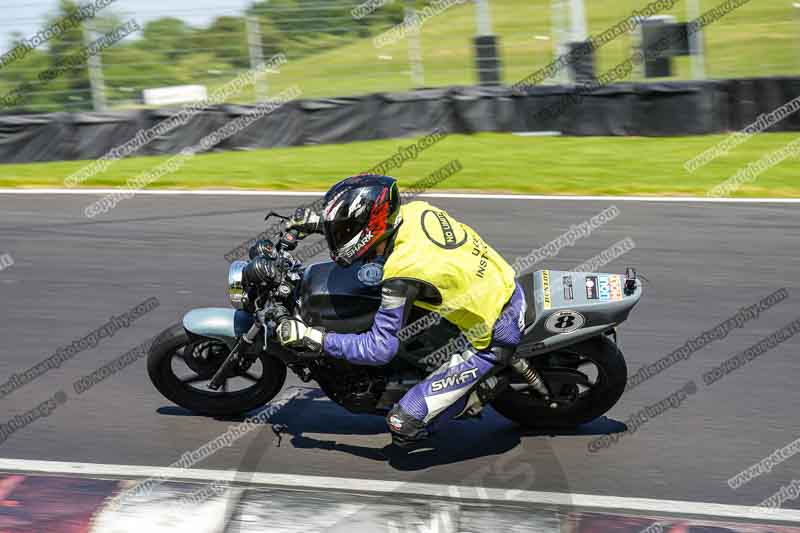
180, 366
580, 393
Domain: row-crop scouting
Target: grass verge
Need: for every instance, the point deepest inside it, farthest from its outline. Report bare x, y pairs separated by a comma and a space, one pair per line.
491, 162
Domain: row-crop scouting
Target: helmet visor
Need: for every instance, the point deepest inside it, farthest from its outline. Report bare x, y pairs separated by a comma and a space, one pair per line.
345, 225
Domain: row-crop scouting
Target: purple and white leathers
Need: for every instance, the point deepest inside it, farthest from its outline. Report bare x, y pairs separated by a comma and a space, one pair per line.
443, 394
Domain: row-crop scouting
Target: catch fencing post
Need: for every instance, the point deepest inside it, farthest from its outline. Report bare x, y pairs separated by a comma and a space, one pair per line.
581, 69
95, 66
487, 58
559, 38
255, 46
483, 18
696, 45
415, 61
578, 21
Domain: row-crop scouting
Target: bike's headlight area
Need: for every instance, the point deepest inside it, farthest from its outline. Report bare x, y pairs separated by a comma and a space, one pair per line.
236, 293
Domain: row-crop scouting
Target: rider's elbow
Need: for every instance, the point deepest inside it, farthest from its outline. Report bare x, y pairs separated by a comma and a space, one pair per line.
384, 351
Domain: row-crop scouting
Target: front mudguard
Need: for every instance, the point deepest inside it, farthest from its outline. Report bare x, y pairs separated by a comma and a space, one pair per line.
222, 323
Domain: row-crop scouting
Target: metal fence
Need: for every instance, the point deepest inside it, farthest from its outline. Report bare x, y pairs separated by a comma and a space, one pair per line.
339, 48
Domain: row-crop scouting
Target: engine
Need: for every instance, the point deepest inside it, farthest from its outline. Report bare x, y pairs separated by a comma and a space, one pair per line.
357, 388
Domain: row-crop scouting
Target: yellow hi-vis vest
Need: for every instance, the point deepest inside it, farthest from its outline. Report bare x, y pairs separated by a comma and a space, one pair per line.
475, 282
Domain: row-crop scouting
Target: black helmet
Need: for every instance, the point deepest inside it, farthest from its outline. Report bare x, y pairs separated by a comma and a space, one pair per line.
360, 212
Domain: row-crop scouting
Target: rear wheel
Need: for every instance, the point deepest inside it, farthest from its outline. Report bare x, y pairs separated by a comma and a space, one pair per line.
585, 381
181, 365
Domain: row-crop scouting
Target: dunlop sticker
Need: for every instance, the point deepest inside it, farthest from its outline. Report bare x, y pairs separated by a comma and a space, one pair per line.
546, 289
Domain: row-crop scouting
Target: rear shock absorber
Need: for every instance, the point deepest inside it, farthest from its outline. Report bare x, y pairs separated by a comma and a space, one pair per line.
531, 376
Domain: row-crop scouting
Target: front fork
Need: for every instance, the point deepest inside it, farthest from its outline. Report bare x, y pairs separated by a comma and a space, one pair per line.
263, 323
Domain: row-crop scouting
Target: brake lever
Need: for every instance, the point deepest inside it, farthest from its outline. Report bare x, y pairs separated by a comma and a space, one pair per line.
270, 319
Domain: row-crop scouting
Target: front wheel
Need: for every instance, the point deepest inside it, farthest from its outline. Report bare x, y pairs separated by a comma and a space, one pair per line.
181, 365
585, 380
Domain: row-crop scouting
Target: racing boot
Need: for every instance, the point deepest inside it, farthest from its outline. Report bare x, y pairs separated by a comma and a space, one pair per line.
407, 432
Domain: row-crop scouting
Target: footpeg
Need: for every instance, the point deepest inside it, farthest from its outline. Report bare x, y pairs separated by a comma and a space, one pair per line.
486, 391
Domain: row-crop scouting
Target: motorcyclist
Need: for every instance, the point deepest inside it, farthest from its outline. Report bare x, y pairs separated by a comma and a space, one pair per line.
431, 261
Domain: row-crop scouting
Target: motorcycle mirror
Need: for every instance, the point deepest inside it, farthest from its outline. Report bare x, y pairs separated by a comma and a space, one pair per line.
277, 215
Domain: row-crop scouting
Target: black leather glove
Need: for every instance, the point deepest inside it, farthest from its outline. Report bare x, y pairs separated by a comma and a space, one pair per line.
306, 222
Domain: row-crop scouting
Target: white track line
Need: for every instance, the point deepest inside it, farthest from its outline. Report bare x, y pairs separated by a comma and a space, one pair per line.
289, 481
470, 196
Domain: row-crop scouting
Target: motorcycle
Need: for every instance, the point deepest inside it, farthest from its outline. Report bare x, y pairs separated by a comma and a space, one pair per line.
225, 362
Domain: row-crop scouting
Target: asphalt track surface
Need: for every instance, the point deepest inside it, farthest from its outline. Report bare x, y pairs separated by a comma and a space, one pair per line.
704, 262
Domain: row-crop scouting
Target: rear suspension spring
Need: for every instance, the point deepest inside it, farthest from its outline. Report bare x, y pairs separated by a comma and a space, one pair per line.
531, 376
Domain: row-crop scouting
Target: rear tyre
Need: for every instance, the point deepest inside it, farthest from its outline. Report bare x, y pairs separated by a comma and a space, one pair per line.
175, 343
529, 409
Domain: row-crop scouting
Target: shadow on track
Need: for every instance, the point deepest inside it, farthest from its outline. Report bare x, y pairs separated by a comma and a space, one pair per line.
517, 459
455, 442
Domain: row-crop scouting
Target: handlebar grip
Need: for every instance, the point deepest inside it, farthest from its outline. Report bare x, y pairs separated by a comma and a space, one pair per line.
251, 334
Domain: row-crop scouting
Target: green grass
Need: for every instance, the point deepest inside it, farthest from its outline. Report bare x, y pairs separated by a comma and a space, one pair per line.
491, 162
761, 38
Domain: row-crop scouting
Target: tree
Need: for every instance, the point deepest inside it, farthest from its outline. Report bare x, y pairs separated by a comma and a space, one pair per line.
226, 38
167, 36
71, 87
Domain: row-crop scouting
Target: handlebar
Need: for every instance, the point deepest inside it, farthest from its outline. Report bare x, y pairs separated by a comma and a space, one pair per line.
273, 272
